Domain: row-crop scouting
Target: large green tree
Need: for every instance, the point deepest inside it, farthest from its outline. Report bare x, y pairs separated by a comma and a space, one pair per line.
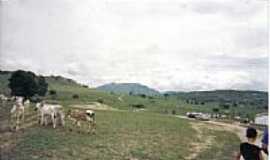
27, 84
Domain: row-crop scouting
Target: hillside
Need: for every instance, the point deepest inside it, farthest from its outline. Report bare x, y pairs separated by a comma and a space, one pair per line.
242, 103
51, 80
128, 88
4, 76
257, 98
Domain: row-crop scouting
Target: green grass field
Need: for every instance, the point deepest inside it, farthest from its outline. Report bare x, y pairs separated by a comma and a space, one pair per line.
123, 135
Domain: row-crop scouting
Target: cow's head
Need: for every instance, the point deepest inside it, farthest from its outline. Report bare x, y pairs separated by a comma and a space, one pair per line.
39, 105
90, 113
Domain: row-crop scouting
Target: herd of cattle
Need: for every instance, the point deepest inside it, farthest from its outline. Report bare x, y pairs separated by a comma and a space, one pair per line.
46, 113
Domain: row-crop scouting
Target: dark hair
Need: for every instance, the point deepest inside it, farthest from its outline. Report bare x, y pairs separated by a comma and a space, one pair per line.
251, 133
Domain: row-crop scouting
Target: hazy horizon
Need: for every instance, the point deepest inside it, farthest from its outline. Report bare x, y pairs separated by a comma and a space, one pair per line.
168, 45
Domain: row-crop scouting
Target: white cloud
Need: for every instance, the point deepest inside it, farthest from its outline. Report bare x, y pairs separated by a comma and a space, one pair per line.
168, 45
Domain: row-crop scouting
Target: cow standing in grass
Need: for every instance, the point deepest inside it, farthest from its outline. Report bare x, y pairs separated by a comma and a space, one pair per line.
17, 112
88, 116
52, 111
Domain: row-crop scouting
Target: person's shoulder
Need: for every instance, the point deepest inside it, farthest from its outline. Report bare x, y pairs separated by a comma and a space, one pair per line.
255, 146
244, 144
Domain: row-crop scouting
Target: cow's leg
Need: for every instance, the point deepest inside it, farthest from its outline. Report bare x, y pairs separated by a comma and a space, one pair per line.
45, 120
78, 124
93, 127
53, 120
23, 116
62, 120
17, 122
89, 127
41, 119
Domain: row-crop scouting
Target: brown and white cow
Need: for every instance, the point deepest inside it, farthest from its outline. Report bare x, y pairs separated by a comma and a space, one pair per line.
88, 116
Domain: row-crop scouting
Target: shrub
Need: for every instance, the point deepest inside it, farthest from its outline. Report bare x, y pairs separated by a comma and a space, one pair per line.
166, 95
142, 95
235, 104
75, 96
139, 106
85, 86
52, 92
174, 112
215, 110
100, 100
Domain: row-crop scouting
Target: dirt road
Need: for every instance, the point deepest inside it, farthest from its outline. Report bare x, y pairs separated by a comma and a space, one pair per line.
236, 128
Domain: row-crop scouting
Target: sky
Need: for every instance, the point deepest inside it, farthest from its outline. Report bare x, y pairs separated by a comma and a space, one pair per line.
179, 45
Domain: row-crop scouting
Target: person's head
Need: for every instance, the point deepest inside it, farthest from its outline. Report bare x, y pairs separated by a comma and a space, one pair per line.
251, 133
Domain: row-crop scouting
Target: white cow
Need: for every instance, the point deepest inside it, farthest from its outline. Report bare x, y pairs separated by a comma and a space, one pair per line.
53, 111
18, 99
26, 103
17, 113
3, 97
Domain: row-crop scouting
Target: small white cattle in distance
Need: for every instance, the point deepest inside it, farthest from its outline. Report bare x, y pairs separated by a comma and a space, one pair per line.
53, 111
3, 97
18, 99
88, 116
26, 103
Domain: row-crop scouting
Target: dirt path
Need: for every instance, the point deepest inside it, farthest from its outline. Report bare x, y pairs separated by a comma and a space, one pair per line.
235, 128
204, 143
239, 130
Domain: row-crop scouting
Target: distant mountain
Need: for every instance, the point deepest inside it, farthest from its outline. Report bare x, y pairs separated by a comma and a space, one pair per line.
128, 88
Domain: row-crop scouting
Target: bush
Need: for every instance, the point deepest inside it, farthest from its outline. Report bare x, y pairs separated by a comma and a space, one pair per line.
235, 104
174, 112
75, 96
224, 106
85, 86
166, 95
215, 110
142, 95
138, 106
52, 92
100, 100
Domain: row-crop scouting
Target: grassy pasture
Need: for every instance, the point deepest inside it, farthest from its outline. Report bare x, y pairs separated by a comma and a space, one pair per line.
123, 135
